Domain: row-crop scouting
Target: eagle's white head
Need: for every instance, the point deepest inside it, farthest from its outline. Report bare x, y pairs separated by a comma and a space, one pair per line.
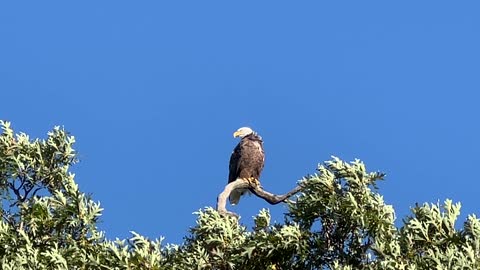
242, 132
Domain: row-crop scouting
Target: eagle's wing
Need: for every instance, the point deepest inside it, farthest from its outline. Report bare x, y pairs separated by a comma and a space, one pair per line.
234, 163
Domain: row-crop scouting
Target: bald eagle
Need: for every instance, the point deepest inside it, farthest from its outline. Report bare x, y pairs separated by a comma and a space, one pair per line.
246, 161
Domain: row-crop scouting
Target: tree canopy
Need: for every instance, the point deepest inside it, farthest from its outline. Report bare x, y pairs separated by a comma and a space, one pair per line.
338, 221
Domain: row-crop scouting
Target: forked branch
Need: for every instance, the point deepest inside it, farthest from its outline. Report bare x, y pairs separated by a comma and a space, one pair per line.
255, 189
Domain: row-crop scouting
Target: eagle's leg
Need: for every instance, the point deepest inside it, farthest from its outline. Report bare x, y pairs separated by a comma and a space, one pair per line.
253, 182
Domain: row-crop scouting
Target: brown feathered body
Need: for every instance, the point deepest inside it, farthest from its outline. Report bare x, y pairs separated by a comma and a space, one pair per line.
246, 161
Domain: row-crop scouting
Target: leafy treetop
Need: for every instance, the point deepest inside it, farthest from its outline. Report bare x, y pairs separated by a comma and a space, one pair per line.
338, 221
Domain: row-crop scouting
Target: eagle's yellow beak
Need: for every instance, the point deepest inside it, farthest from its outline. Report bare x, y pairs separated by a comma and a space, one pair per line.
236, 134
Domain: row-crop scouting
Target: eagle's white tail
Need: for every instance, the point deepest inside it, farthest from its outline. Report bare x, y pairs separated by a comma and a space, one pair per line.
235, 196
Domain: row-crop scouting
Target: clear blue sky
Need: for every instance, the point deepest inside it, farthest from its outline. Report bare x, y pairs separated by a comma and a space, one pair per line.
153, 91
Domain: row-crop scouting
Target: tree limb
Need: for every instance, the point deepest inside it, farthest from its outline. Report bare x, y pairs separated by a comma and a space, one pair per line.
255, 189
272, 198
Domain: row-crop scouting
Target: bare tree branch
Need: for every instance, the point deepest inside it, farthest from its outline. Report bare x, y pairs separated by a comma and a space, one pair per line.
272, 198
255, 189
36, 190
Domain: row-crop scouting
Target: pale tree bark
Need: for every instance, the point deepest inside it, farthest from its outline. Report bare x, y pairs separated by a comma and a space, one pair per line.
255, 189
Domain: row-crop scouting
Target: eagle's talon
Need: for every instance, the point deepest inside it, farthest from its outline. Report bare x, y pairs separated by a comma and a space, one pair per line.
253, 182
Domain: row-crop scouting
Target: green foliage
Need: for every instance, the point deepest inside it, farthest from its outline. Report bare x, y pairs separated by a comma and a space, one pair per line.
338, 221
